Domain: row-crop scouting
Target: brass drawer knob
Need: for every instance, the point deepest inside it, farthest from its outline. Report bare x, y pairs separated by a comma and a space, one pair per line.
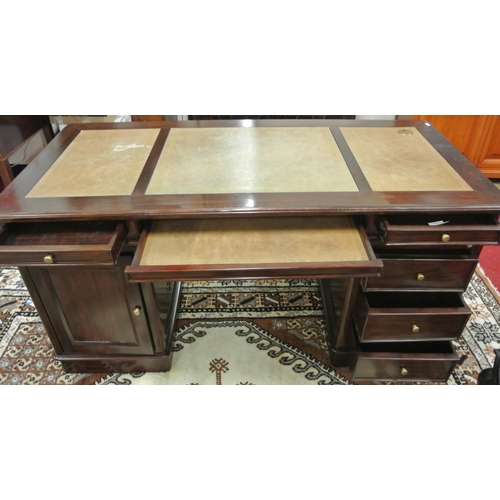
48, 259
137, 311
445, 237
415, 328
420, 277
404, 371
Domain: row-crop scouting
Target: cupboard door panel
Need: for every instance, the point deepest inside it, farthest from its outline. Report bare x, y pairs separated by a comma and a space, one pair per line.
94, 310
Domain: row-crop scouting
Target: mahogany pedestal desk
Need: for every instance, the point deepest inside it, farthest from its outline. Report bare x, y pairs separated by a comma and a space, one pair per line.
110, 219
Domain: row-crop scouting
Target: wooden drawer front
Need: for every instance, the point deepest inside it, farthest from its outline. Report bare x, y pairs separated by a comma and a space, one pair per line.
49, 244
425, 361
409, 316
458, 230
412, 271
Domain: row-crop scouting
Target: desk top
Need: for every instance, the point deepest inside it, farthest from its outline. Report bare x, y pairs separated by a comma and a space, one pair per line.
225, 168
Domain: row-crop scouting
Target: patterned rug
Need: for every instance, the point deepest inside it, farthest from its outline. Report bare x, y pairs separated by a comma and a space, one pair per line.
230, 333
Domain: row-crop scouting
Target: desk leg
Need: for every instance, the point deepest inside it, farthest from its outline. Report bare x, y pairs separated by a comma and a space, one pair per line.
339, 296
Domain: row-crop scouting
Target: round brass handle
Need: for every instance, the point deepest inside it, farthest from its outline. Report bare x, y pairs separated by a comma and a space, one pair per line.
420, 277
48, 259
415, 328
445, 237
137, 311
404, 371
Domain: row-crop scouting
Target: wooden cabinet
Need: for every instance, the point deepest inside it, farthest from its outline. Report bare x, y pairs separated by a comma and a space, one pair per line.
477, 137
96, 320
485, 150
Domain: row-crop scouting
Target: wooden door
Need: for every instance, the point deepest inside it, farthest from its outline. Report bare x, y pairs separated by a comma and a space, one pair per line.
485, 153
94, 310
477, 137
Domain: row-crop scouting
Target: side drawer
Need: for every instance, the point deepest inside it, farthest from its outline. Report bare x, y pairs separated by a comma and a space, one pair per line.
409, 362
451, 229
61, 243
416, 270
409, 316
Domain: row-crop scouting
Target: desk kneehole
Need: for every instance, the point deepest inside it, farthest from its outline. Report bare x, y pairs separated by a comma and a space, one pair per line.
253, 248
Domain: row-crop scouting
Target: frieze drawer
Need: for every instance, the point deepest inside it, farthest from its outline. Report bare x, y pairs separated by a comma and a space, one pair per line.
417, 269
409, 316
443, 229
61, 243
409, 362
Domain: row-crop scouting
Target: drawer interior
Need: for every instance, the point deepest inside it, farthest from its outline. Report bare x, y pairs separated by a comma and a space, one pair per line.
435, 347
424, 253
427, 220
52, 234
64, 243
413, 300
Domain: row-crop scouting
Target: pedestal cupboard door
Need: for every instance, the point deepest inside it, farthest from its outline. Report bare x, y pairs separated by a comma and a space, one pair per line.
94, 310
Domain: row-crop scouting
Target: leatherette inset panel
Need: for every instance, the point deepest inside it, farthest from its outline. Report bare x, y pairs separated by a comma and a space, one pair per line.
251, 160
396, 161
98, 163
260, 240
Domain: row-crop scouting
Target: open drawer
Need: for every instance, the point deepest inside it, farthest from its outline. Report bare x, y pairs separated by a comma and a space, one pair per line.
449, 229
61, 243
409, 362
253, 248
409, 316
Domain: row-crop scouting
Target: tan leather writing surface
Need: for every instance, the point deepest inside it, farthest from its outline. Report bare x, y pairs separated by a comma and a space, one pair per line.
98, 163
250, 160
258, 240
401, 159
